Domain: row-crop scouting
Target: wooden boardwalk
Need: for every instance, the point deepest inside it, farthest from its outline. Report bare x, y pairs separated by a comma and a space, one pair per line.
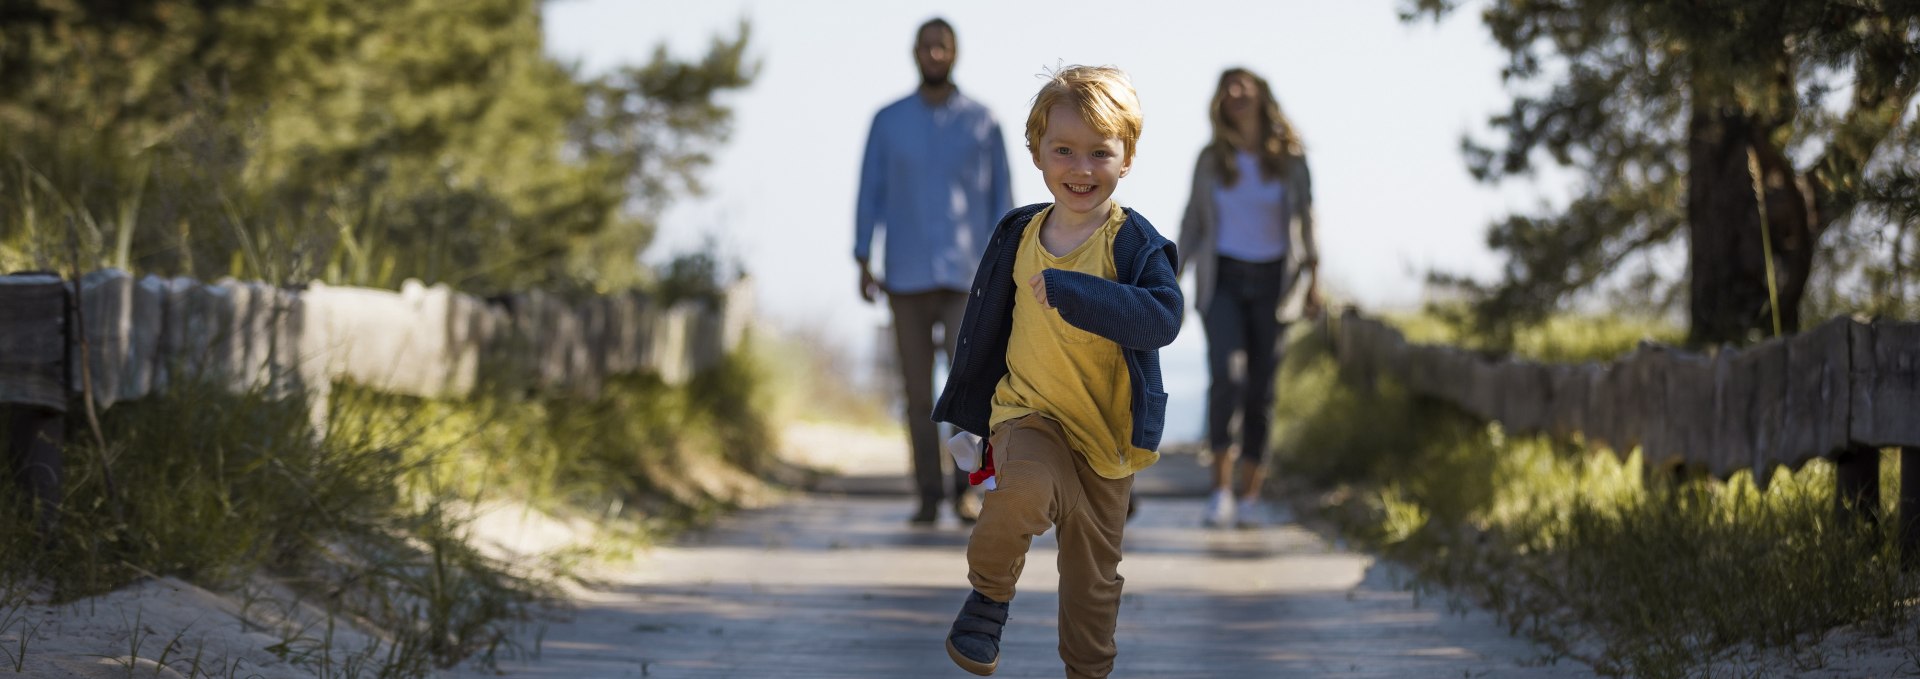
837, 585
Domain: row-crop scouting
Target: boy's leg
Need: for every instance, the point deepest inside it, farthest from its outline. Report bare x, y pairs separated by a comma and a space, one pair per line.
1031, 463
1031, 460
1090, 581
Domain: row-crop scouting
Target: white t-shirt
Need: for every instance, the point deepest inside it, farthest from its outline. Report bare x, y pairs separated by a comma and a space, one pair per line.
1252, 213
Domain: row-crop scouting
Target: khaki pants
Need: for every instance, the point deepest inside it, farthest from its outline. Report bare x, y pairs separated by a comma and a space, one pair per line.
1043, 483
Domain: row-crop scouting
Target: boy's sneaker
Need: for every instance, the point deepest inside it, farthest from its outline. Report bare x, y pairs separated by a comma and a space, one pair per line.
1219, 510
1253, 513
974, 641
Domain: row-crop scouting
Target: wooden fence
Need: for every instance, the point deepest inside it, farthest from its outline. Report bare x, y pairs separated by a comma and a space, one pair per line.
1842, 390
142, 335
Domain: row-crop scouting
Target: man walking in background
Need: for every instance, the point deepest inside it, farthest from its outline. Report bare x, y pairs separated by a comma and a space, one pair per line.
934, 179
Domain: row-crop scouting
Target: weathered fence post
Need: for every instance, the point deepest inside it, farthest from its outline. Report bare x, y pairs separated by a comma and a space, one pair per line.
36, 435
1910, 505
33, 385
1857, 484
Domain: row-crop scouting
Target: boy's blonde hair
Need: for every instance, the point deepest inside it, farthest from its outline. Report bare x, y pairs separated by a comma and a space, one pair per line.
1104, 96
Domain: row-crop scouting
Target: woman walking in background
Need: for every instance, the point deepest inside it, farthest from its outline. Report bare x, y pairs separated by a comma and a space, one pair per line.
1248, 232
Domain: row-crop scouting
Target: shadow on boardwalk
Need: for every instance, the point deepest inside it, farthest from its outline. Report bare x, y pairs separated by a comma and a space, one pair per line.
832, 584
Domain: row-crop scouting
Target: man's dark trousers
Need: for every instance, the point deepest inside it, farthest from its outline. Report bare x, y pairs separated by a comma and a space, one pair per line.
915, 316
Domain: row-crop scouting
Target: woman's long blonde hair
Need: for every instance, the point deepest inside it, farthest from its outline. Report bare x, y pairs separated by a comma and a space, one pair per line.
1278, 143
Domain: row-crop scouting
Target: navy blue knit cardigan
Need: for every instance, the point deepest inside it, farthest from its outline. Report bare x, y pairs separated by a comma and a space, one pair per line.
1141, 312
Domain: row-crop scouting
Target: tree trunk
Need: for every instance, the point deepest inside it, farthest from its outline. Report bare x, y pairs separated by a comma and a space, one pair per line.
1729, 298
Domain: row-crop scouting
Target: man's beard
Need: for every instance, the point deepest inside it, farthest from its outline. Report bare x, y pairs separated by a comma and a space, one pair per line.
935, 82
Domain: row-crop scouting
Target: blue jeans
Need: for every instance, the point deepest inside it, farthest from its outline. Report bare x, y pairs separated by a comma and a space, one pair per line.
1244, 340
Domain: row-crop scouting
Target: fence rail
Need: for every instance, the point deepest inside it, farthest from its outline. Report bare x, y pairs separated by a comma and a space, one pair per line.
144, 334
1841, 385
1842, 390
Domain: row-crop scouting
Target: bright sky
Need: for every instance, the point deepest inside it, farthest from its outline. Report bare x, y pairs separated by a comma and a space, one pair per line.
1381, 105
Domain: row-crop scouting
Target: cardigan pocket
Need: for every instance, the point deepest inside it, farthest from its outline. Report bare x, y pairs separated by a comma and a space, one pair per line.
1153, 420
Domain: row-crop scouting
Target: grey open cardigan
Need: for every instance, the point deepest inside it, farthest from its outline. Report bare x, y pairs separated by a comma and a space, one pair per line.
1200, 232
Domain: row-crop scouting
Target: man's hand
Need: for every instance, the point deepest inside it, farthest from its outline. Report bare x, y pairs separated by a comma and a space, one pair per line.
1039, 284
869, 286
1315, 304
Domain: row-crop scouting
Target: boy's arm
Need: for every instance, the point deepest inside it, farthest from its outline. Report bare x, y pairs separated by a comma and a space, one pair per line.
1144, 316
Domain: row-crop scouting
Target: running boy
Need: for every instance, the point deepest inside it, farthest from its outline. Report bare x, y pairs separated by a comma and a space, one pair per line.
1059, 367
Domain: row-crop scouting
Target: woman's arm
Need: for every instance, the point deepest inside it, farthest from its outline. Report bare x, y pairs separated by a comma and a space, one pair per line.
1190, 222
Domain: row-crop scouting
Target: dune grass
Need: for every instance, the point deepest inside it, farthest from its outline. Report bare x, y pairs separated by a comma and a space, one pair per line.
1638, 572
368, 519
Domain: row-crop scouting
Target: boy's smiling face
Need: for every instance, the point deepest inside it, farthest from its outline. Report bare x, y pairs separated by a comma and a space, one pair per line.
1082, 168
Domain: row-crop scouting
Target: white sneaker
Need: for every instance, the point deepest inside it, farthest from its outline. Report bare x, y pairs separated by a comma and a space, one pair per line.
1219, 510
1253, 513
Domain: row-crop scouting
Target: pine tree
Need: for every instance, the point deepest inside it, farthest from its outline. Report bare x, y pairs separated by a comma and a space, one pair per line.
357, 142
1750, 128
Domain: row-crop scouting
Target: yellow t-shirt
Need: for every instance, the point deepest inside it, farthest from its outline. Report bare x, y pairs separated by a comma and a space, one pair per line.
1069, 375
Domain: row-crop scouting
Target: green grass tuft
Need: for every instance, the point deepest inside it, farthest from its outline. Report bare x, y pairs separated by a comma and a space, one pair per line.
367, 521
1640, 572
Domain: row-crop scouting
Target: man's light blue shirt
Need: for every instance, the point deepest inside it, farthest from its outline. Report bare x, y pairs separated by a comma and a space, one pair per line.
934, 178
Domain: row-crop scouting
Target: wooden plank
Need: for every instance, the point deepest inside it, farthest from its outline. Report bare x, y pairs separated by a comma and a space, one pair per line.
254, 333
1765, 368
1819, 391
1647, 422
1526, 396
1344, 335
623, 333
646, 321
583, 377
1909, 507
1641, 404
147, 320
670, 347
469, 322
1732, 415
1397, 364
738, 305
1603, 410
1885, 384
1356, 352
1483, 387
170, 365
1458, 387
1566, 414
33, 346
1689, 416
106, 301
286, 322
504, 359
233, 349
706, 341
1423, 370
594, 327
210, 317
